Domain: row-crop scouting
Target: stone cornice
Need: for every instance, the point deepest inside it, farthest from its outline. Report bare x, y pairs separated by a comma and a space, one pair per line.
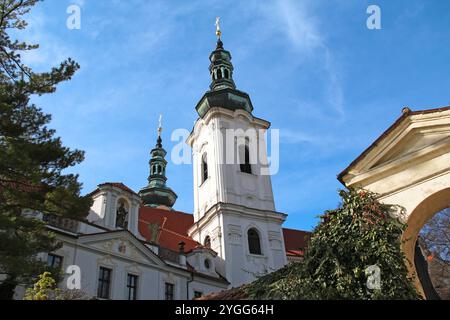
218, 111
404, 125
236, 210
386, 156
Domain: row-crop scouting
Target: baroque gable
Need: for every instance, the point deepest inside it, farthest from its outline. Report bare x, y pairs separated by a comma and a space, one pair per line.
121, 244
414, 140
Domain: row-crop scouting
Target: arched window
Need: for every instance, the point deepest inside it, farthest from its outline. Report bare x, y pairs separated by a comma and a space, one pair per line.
159, 169
122, 214
219, 74
204, 167
207, 242
245, 160
226, 73
254, 244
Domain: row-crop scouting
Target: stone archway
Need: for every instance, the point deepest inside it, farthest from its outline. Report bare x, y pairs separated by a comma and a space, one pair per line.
417, 220
409, 166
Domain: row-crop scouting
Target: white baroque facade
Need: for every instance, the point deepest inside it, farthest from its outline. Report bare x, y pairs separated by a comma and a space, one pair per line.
230, 203
136, 246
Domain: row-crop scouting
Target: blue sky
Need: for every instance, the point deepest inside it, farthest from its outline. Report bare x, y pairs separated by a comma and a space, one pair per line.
312, 68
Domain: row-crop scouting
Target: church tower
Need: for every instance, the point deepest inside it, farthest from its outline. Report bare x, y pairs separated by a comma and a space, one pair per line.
156, 193
234, 210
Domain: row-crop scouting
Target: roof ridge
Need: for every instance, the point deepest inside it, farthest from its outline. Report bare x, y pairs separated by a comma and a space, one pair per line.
171, 211
439, 109
306, 231
162, 228
164, 222
181, 235
119, 185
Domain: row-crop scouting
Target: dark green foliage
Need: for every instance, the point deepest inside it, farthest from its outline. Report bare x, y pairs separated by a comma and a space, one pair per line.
349, 239
32, 159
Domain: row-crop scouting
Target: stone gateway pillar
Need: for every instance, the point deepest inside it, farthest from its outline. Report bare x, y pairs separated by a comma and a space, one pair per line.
409, 166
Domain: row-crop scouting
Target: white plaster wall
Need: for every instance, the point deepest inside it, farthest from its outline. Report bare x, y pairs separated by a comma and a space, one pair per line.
241, 266
411, 185
228, 232
97, 211
226, 183
104, 208
88, 228
151, 281
411, 197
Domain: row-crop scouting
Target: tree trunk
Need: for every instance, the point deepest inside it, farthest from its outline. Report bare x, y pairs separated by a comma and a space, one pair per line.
424, 275
7, 288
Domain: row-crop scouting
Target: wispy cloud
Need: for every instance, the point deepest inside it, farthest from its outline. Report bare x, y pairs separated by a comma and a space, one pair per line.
298, 24
293, 20
334, 94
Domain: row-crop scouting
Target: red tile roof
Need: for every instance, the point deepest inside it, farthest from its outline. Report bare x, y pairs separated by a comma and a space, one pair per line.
295, 253
239, 293
172, 227
295, 241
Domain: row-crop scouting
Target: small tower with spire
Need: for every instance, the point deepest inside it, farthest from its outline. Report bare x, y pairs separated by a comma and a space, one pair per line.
221, 69
156, 193
223, 92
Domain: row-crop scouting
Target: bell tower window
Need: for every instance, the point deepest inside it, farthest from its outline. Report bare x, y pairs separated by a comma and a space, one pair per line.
204, 168
254, 243
219, 74
226, 73
245, 165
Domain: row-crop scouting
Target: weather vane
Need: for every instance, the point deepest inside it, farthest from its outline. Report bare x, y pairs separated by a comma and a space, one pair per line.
160, 125
218, 32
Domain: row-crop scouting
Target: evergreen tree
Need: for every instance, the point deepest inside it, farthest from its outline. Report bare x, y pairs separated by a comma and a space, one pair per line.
348, 240
32, 159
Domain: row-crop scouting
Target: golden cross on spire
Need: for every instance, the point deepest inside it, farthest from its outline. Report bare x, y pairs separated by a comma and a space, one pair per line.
160, 125
218, 32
